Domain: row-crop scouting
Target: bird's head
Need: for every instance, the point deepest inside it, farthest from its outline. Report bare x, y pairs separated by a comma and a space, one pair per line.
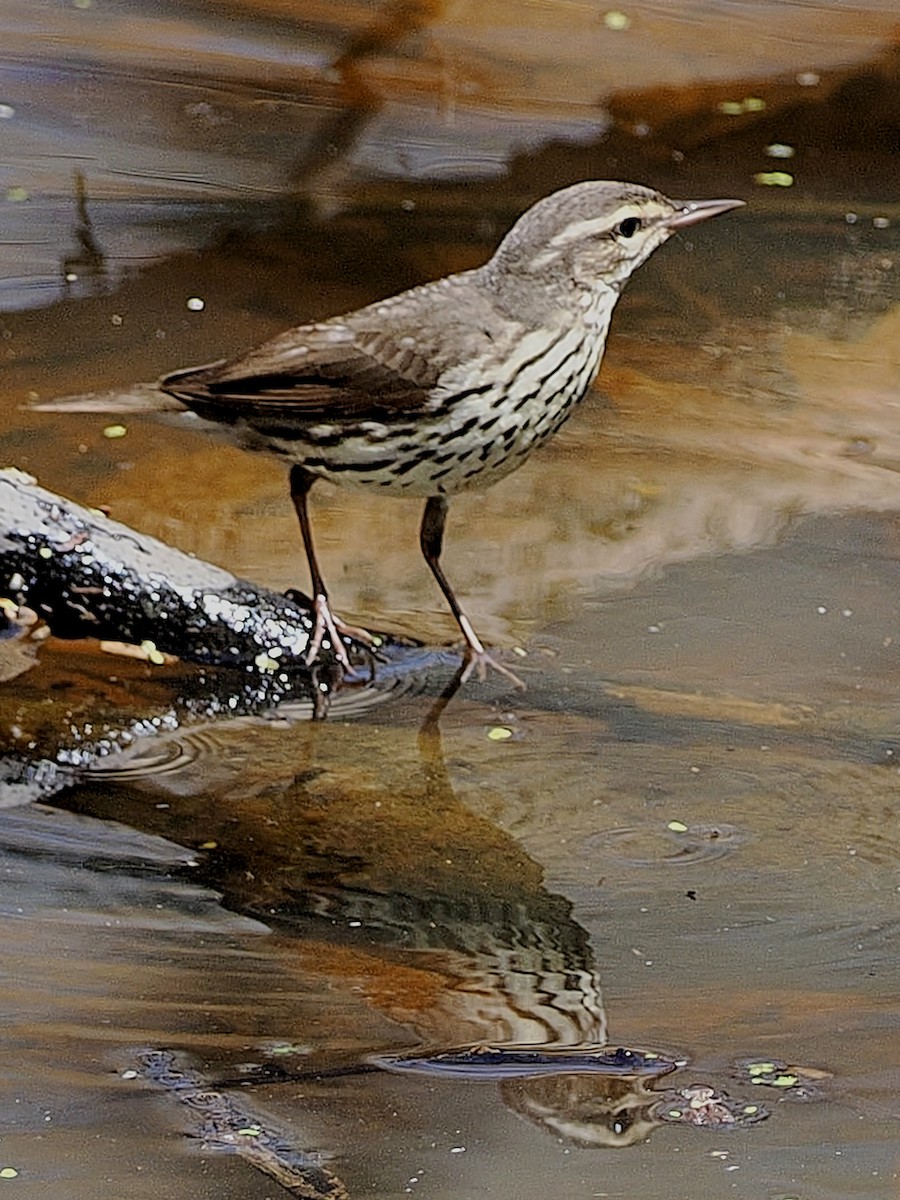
596, 233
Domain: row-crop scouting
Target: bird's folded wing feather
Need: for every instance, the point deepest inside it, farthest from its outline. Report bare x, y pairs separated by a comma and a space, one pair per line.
329, 370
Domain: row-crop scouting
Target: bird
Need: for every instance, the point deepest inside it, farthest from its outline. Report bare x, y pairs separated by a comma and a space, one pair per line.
447, 387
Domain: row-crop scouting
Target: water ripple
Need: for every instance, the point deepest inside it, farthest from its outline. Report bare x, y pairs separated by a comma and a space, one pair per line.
670, 845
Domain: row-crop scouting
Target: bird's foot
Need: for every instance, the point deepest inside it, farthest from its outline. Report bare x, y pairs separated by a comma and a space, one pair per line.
479, 662
327, 624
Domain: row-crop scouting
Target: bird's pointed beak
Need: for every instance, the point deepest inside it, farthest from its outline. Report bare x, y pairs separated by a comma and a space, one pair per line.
690, 212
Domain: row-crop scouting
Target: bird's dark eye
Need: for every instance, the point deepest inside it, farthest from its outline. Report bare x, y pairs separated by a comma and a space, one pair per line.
628, 227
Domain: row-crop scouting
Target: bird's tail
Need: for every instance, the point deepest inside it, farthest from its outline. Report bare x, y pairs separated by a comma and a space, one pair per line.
131, 401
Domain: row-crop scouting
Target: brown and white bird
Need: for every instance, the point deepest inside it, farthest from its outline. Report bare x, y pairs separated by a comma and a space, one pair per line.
450, 386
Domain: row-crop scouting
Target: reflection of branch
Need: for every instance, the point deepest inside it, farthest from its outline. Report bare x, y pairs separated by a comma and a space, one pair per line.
360, 101
90, 261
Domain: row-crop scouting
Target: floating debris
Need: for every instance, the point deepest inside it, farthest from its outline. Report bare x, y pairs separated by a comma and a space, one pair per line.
702, 1106
736, 108
281, 1049
798, 1083
223, 1124
774, 179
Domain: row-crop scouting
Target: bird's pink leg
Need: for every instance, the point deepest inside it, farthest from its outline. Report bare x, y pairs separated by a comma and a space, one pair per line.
325, 622
431, 539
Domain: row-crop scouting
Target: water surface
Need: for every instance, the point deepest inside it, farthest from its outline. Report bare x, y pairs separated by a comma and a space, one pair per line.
682, 837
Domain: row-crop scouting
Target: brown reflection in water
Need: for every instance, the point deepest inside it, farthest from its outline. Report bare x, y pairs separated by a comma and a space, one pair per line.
353, 832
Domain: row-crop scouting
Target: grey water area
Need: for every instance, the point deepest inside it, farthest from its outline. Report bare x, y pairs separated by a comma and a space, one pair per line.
682, 838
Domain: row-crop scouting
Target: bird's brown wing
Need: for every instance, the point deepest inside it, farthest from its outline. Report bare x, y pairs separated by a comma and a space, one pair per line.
314, 372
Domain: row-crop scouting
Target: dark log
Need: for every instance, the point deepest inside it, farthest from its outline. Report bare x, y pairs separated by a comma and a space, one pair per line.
86, 575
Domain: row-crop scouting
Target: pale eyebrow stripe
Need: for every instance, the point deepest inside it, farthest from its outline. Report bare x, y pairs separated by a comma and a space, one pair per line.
591, 225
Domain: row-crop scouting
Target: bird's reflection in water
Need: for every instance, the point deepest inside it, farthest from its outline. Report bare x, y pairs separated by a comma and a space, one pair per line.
351, 840
516, 967
587, 1110
521, 977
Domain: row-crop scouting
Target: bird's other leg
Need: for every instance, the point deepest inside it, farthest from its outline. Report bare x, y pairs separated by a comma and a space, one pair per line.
325, 620
431, 539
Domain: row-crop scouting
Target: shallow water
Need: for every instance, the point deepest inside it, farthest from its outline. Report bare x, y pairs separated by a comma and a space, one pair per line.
683, 836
